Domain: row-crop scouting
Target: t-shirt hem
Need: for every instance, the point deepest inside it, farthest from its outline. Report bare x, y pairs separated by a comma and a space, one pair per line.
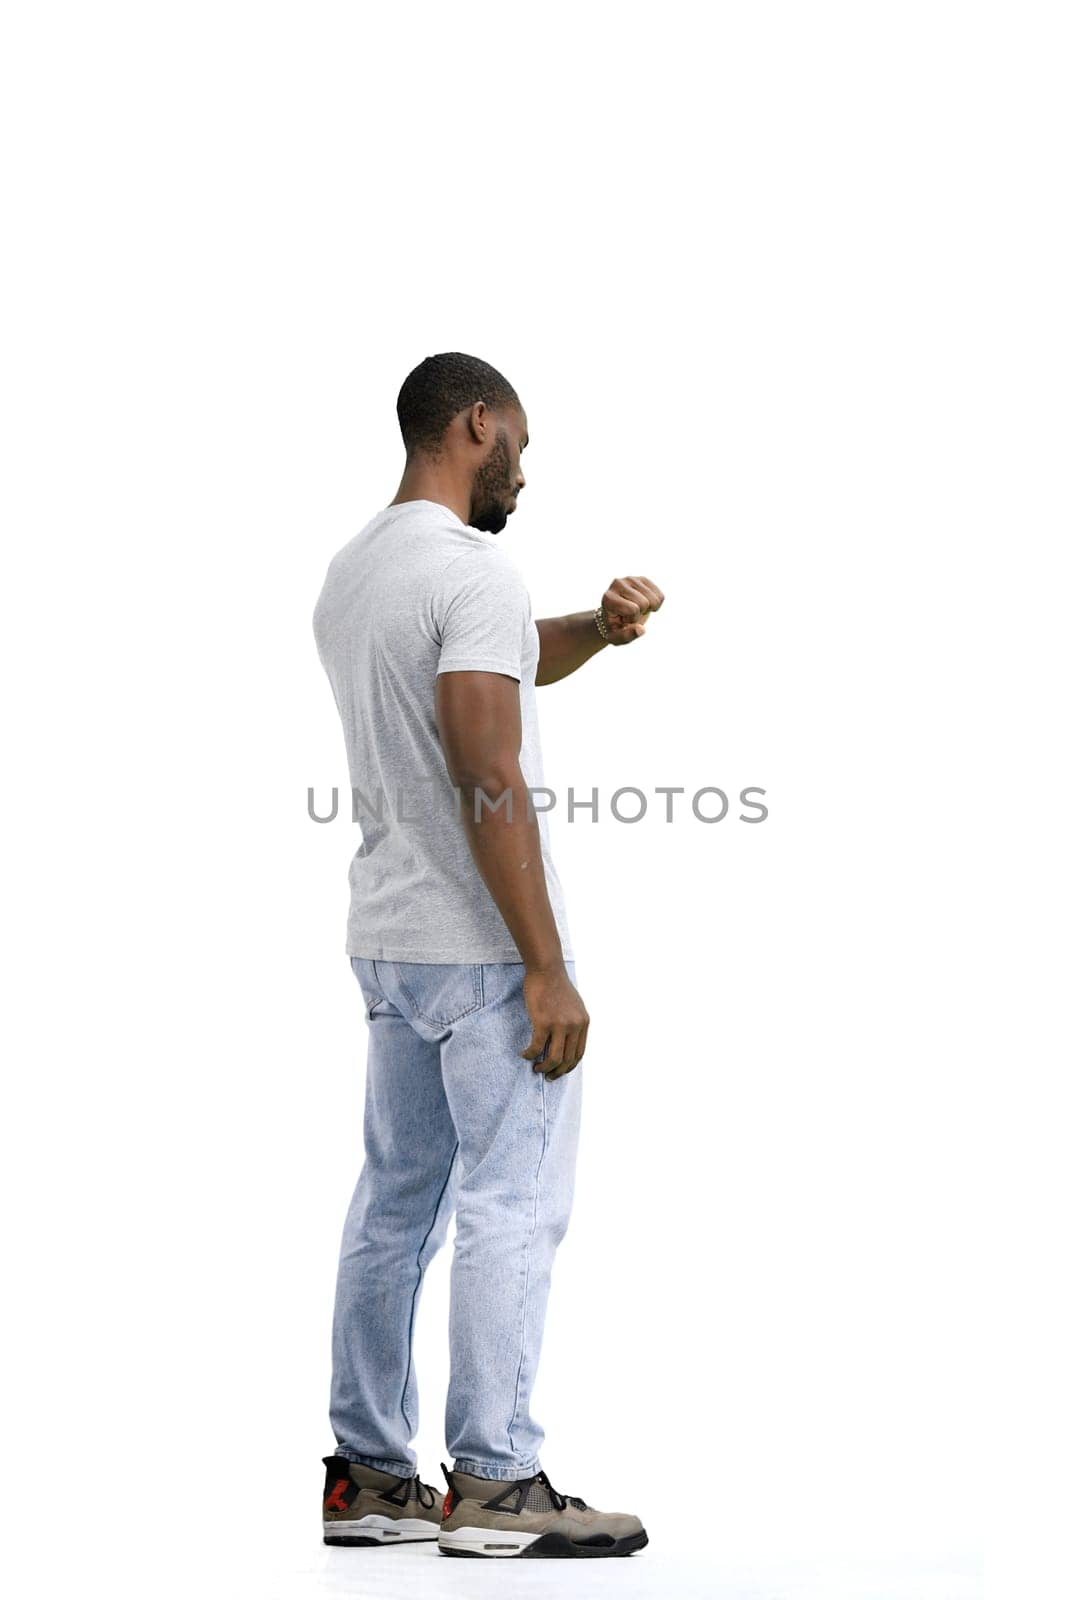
480, 664
447, 957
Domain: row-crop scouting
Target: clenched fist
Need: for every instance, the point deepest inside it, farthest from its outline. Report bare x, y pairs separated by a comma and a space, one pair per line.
628, 603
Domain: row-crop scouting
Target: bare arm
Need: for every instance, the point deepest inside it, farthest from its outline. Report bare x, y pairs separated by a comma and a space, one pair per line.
480, 726
567, 643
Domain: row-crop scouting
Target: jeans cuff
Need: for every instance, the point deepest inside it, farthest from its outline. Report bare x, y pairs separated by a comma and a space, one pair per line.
401, 1469
498, 1474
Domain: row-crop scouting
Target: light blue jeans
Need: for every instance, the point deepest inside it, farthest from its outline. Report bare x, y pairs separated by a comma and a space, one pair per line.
455, 1120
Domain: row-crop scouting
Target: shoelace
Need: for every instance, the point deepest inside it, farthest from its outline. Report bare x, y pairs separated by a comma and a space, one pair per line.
560, 1501
420, 1489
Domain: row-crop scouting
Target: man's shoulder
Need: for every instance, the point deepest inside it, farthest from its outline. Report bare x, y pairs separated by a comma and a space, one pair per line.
422, 532
419, 546
482, 567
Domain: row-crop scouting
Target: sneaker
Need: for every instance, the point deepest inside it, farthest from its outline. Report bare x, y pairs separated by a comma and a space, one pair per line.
362, 1506
529, 1518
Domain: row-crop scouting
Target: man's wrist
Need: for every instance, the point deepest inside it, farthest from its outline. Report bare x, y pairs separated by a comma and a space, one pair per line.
547, 965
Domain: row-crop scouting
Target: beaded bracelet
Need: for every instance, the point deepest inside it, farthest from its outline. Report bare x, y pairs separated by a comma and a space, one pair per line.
598, 618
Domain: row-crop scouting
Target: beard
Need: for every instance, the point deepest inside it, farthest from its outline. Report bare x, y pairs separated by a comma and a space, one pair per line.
492, 489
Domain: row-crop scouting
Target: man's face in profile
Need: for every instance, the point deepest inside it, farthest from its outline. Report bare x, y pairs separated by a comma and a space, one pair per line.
495, 492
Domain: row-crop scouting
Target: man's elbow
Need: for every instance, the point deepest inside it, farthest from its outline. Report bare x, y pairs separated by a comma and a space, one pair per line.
493, 778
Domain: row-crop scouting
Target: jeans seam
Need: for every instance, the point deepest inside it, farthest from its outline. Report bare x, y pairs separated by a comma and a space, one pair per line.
446, 1022
418, 1280
529, 1252
493, 1471
401, 1469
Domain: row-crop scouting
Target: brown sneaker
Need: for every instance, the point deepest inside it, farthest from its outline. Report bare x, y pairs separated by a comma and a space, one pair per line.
529, 1518
362, 1506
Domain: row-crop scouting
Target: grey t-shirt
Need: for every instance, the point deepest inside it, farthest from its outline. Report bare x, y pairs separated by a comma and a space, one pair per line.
416, 593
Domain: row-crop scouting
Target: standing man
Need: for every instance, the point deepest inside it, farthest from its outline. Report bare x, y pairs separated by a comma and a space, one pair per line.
458, 937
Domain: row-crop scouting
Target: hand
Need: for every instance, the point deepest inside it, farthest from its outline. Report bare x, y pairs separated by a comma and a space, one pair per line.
558, 1018
628, 603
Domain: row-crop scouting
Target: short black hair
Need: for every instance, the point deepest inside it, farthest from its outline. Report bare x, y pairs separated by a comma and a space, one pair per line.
439, 389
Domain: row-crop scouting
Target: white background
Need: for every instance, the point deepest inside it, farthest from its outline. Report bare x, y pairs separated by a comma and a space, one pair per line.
781, 289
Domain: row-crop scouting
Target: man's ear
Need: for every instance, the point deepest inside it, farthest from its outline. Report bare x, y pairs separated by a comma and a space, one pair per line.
478, 421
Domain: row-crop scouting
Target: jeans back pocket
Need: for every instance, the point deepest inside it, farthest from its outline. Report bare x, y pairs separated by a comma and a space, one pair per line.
441, 992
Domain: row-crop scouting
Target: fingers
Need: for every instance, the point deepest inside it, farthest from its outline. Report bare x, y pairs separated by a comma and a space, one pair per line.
555, 1054
621, 602
642, 591
567, 1061
565, 1051
647, 595
537, 1043
628, 599
574, 1053
558, 1023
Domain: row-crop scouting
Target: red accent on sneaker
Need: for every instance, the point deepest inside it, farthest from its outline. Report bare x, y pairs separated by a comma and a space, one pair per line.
335, 1500
450, 1500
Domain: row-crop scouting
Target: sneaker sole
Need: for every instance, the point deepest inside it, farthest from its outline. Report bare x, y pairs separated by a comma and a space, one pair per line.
498, 1543
377, 1531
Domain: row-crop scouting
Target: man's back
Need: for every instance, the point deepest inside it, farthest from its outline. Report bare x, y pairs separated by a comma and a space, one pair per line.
416, 593
458, 939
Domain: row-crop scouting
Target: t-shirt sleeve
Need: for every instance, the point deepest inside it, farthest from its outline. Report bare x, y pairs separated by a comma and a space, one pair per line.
481, 608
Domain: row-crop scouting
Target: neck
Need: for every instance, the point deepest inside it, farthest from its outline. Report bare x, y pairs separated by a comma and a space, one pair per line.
441, 481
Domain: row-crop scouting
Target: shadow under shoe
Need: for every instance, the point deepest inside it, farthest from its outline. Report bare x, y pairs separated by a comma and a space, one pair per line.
482, 1517
362, 1507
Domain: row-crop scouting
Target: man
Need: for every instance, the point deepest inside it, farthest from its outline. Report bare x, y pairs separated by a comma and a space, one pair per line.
458, 937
